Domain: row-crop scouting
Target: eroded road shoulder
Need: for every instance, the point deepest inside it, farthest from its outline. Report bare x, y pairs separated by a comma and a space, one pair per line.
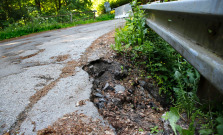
42, 79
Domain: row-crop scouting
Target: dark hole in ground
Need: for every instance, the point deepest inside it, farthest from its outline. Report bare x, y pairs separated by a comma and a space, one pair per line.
126, 103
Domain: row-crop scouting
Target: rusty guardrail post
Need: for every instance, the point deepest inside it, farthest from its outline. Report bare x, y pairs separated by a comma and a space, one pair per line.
194, 28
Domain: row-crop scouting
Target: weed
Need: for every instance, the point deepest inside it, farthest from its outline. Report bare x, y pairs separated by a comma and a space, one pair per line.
154, 130
134, 31
174, 76
141, 130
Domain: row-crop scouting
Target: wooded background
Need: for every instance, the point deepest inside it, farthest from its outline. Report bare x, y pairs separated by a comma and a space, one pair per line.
23, 11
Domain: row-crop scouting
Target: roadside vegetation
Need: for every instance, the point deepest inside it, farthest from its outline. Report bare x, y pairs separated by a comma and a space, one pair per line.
20, 18
44, 24
176, 78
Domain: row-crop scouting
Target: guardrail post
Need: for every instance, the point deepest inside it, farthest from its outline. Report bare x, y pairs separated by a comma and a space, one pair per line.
206, 91
71, 18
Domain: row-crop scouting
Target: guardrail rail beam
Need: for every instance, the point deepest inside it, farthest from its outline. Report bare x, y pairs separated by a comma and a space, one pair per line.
194, 28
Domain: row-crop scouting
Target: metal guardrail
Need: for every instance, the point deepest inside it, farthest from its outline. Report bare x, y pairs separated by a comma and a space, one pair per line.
195, 29
71, 16
123, 11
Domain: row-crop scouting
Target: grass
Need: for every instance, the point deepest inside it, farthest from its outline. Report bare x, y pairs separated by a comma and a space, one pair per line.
17, 31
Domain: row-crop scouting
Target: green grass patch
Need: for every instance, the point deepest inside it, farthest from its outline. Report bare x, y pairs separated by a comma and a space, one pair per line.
39, 26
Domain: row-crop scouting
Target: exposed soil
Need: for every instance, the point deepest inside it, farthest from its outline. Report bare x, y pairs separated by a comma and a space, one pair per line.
122, 99
33, 100
31, 55
61, 57
77, 124
68, 70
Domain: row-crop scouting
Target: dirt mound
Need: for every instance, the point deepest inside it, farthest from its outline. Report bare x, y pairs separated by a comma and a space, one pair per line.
123, 101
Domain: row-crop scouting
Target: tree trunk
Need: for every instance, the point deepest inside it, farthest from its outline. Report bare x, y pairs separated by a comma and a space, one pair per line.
60, 4
38, 5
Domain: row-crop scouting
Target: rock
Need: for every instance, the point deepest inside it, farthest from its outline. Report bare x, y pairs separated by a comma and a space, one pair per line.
102, 100
96, 82
116, 101
108, 87
98, 90
120, 73
119, 88
142, 89
149, 96
109, 133
96, 100
107, 95
101, 105
98, 95
142, 106
142, 83
152, 105
150, 85
130, 91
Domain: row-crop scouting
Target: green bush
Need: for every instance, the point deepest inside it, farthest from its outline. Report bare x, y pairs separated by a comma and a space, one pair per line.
43, 24
174, 76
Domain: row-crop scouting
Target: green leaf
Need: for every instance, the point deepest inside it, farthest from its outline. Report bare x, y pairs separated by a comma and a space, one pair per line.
187, 132
173, 117
220, 125
191, 76
127, 46
177, 75
205, 131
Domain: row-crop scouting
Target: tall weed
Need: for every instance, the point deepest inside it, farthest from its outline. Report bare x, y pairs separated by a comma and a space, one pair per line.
174, 76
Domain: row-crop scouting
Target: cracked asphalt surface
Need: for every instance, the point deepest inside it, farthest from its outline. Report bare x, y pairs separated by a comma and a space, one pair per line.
34, 91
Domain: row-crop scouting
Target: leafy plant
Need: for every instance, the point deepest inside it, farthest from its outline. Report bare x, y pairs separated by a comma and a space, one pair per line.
186, 99
134, 31
173, 116
154, 130
220, 125
176, 78
141, 130
43, 24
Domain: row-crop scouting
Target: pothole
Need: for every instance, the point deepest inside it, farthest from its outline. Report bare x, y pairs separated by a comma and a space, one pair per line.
121, 100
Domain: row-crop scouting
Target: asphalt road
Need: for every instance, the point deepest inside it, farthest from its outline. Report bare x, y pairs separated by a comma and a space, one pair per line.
34, 90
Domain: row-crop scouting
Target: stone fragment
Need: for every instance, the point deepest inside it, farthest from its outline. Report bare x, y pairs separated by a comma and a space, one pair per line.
98, 95
119, 88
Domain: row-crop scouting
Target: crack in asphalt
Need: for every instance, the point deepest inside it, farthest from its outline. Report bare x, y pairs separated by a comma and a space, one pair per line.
33, 100
68, 70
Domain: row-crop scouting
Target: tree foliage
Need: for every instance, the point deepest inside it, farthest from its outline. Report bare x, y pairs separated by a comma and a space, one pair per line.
12, 11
